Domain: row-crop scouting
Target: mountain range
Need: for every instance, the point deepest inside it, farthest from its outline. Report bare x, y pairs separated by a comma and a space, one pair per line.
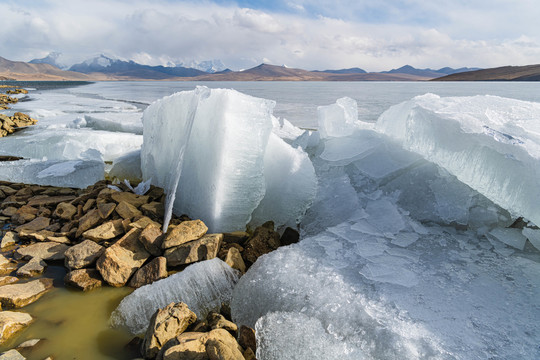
107, 68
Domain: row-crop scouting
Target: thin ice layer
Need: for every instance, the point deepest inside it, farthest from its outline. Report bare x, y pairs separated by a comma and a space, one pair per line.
203, 286
490, 143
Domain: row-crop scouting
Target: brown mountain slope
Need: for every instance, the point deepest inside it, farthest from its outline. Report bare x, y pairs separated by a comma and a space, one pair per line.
505, 73
24, 71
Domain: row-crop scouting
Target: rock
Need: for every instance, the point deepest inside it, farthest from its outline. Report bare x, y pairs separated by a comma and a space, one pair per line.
28, 343
50, 200
24, 214
166, 324
88, 205
59, 239
153, 271
65, 211
84, 279
88, 221
43, 211
106, 231
290, 236
218, 321
82, 255
130, 198
234, 260
37, 224
187, 346
9, 211
237, 237
44, 250
41, 235
5, 280
205, 248
19, 295
263, 241
7, 190
106, 209
32, 268
151, 238
9, 239
247, 339
221, 345
6, 266
11, 355
127, 211
143, 223
185, 232
122, 259
11, 322
249, 354
154, 210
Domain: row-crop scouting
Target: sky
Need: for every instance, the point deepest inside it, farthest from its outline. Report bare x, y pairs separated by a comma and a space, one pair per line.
374, 35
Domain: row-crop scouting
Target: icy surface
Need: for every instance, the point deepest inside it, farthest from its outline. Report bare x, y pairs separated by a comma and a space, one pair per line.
127, 166
229, 162
202, 286
490, 143
338, 119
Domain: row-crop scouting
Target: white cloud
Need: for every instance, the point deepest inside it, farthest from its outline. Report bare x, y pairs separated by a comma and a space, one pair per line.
371, 35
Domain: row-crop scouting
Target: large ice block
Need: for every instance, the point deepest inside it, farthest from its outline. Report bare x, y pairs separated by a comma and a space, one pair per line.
203, 286
339, 119
490, 143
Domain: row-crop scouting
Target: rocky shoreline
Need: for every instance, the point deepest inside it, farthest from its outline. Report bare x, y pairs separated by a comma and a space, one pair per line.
10, 124
107, 235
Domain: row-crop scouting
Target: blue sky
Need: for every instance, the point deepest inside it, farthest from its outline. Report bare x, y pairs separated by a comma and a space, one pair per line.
310, 34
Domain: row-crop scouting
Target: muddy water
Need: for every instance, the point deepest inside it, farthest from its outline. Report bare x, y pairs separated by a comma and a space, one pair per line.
73, 324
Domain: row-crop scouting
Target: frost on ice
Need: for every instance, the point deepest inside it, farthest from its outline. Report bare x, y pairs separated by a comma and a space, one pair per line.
212, 152
203, 286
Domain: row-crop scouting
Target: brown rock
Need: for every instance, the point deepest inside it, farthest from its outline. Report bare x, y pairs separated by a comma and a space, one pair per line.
105, 209
106, 231
166, 324
188, 346
65, 211
183, 233
218, 321
43, 250
37, 224
6, 266
59, 239
290, 236
221, 345
151, 238
32, 268
12, 322
154, 210
88, 221
127, 211
9, 239
249, 354
246, 338
84, 279
237, 237
234, 260
153, 271
49, 200
130, 198
7, 190
88, 205
122, 259
24, 214
82, 255
9, 211
205, 248
263, 241
41, 235
19, 295
143, 222
6, 280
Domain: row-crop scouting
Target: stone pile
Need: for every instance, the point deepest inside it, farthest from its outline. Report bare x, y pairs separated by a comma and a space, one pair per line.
5, 100
10, 124
107, 235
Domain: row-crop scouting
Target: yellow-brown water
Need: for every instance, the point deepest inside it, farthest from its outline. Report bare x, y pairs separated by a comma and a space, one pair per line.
73, 324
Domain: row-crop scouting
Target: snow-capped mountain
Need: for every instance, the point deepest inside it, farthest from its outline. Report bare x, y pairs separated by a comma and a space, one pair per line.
53, 58
208, 66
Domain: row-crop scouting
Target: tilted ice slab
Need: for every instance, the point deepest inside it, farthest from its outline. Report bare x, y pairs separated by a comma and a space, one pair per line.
490, 143
203, 286
210, 151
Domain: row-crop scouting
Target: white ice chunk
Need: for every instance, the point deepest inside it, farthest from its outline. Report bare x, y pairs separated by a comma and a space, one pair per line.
290, 182
509, 236
533, 235
338, 119
60, 169
344, 150
129, 122
490, 143
389, 273
285, 130
405, 239
203, 286
127, 166
385, 216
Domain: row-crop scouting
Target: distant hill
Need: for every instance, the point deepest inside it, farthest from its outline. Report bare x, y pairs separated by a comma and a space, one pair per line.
354, 70
20, 70
51, 59
505, 73
407, 69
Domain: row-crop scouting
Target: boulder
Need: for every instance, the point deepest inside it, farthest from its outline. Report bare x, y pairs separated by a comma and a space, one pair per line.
6, 280
50, 200
9, 239
153, 271
246, 338
166, 324
205, 248
217, 321
122, 259
59, 239
106, 231
37, 224
127, 211
84, 279
263, 241
24, 214
188, 346
130, 198
45, 250
65, 211
142, 223
234, 260
154, 210
11, 355
185, 232
152, 238
105, 209
9, 211
82, 255
88, 205
40, 235
19, 295
32, 268
88, 221
249, 354
12, 322
6, 266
